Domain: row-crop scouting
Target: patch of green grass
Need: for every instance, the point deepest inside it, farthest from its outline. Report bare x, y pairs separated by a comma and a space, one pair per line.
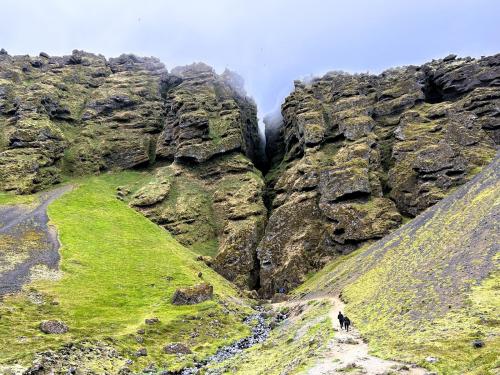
119, 269
210, 247
7, 198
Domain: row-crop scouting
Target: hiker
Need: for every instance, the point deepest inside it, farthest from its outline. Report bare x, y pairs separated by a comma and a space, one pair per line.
347, 323
341, 319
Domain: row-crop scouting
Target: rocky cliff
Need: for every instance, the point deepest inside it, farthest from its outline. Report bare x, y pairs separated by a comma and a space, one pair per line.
360, 153
211, 196
352, 158
75, 114
82, 114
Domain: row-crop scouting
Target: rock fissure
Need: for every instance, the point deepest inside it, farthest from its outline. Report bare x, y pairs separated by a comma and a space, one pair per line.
346, 159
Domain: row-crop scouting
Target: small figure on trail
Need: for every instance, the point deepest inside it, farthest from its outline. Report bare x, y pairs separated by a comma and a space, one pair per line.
341, 319
347, 323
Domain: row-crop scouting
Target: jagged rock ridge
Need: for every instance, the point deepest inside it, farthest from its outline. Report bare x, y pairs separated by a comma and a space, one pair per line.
82, 114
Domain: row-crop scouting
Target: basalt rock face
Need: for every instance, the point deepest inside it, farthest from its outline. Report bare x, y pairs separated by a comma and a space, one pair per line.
360, 152
211, 196
82, 114
207, 115
349, 158
75, 114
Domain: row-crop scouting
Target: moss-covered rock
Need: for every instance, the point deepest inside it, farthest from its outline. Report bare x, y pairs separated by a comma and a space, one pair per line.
358, 152
207, 115
76, 114
215, 207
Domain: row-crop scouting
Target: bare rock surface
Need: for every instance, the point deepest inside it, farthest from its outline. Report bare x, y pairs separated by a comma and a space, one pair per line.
27, 242
53, 327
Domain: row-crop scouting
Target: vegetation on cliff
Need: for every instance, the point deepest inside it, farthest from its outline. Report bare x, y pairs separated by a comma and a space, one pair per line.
361, 153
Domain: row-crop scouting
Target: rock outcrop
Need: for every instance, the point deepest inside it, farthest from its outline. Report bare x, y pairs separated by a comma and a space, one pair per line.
191, 296
361, 152
215, 207
75, 114
211, 196
206, 115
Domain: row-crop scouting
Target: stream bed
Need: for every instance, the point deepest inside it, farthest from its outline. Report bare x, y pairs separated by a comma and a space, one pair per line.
260, 332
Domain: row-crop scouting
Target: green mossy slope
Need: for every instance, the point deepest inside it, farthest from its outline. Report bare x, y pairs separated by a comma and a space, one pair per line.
118, 269
432, 287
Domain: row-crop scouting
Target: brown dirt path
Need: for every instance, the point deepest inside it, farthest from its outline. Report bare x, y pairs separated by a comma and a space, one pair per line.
348, 353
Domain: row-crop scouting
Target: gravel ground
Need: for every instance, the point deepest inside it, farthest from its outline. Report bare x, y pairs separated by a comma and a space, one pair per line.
27, 241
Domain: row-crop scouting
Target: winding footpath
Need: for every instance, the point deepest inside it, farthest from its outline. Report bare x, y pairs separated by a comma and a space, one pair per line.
27, 241
347, 352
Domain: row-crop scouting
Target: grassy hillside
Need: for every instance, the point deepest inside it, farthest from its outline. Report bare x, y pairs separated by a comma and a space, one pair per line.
432, 287
118, 269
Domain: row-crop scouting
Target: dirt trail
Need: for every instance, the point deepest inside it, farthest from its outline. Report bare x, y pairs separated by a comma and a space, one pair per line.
347, 352
27, 241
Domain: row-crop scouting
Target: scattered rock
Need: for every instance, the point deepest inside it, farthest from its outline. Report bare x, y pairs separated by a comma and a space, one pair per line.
279, 297
196, 294
151, 368
142, 352
431, 359
152, 321
347, 340
176, 348
478, 344
352, 155
53, 327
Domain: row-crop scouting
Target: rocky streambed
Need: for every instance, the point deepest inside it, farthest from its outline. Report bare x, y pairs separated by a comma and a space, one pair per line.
260, 332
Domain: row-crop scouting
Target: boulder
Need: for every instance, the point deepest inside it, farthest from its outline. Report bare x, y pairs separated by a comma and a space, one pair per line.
191, 296
176, 348
53, 327
476, 344
151, 321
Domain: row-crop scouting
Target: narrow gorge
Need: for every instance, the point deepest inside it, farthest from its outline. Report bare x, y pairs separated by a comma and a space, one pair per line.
352, 157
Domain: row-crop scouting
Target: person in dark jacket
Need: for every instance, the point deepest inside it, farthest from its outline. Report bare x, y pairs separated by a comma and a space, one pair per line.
347, 323
341, 319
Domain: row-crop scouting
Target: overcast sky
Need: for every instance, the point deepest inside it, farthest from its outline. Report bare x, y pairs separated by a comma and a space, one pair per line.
270, 43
